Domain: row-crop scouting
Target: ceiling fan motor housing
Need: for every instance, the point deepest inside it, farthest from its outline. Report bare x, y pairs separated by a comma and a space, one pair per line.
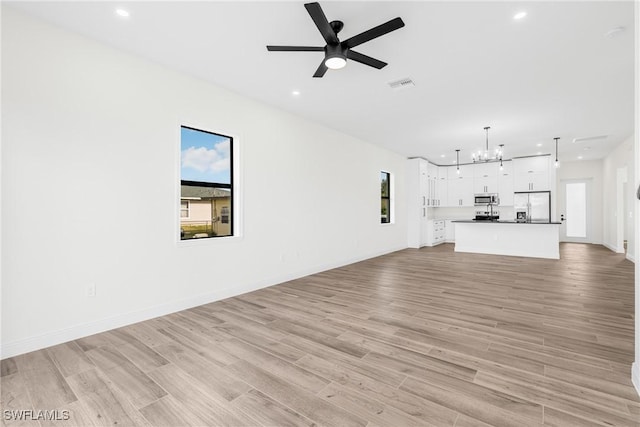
335, 51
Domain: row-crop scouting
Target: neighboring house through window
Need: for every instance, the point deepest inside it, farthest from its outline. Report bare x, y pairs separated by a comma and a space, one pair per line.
206, 190
385, 197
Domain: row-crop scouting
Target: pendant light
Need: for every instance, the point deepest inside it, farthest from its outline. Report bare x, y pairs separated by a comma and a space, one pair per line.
484, 156
501, 153
557, 164
458, 162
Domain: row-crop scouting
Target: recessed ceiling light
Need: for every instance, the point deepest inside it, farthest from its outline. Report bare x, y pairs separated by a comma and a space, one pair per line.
579, 157
441, 155
123, 13
539, 144
519, 15
295, 93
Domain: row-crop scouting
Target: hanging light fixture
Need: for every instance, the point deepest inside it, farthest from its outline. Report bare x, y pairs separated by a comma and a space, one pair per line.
557, 164
485, 156
501, 154
458, 161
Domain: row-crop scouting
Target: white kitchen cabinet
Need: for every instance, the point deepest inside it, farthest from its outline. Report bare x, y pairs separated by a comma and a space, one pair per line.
459, 186
436, 232
531, 173
505, 184
460, 192
442, 187
466, 171
485, 184
418, 188
485, 177
432, 180
449, 231
534, 164
436, 185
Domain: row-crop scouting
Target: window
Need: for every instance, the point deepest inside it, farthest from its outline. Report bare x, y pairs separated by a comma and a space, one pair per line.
385, 197
224, 215
206, 184
184, 209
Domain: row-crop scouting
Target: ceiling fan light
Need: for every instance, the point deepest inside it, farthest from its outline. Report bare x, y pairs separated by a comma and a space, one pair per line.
335, 62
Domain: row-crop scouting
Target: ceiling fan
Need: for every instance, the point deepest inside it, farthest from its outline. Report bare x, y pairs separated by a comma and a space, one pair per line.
336, 52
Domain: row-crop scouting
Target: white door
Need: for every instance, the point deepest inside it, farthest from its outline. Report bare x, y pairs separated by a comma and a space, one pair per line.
575, 210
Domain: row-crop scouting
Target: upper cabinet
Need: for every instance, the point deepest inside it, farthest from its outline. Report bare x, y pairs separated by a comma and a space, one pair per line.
460, 186
505, 184
485, 177
466, 171
531, 173
442, 186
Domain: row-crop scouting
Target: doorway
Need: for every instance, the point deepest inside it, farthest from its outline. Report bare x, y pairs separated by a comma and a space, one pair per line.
575, 210
621, 210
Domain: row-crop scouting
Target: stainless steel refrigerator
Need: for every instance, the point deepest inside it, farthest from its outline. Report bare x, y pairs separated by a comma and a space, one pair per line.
532, 206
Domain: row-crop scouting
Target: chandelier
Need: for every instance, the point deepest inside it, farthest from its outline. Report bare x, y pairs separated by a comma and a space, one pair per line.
486, 155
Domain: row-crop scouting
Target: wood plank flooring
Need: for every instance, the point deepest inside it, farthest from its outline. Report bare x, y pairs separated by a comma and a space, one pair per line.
424, 337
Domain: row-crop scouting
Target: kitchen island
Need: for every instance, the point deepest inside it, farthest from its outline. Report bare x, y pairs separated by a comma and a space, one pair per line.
526, 239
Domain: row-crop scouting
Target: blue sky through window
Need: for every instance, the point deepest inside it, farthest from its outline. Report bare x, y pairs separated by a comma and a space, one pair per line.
204, 156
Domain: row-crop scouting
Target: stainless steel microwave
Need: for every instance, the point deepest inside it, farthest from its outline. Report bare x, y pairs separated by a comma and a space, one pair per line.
485, 199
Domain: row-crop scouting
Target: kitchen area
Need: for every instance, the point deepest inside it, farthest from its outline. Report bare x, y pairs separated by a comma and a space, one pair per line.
491, 207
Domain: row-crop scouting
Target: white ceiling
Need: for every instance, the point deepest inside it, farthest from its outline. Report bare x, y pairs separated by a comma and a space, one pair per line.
552, 73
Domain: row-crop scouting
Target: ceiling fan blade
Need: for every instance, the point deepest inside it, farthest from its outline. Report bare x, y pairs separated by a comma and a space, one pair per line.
321, 70
374, 32
364, 59
295, 49
321, 22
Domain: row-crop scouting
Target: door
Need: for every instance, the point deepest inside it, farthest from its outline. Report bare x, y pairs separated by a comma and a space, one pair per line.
575, 210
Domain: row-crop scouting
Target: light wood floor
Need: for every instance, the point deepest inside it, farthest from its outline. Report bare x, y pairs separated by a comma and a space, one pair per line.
417, 338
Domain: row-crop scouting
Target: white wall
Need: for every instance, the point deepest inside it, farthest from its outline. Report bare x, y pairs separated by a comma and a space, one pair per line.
621, 157
89, 181
585, 170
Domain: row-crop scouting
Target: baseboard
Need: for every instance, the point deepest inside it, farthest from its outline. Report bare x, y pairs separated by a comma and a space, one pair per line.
49, 339
611, 247
635, 376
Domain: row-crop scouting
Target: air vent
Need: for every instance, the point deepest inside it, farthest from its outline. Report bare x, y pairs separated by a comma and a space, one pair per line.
589, 139
402, 83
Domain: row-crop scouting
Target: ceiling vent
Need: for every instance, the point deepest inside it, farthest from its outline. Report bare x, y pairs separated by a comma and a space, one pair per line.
402, 83
598, 138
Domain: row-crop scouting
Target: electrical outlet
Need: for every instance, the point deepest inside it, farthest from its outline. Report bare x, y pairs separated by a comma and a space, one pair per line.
91, 290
